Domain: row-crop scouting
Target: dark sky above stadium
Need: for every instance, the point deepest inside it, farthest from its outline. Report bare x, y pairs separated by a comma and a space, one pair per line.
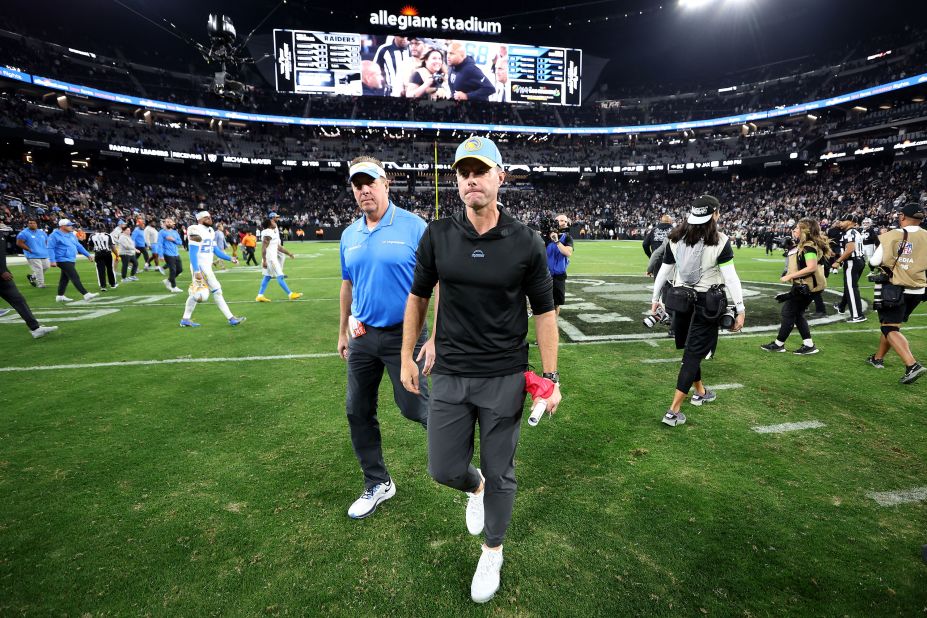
652, 45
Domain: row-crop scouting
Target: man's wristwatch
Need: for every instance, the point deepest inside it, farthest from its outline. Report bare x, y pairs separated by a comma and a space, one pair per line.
553, 376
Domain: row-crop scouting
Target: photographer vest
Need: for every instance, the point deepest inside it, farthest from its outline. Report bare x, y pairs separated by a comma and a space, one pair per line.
912, 257
816, 281
707, 270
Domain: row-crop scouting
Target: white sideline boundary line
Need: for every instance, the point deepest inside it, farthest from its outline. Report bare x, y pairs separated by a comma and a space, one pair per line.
170, 361
894, 498
784, 427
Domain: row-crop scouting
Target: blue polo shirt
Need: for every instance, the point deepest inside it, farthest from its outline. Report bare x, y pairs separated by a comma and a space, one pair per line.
138, 237
37, 241
380, 264
168, 240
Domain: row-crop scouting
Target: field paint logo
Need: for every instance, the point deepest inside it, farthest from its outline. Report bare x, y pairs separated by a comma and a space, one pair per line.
86, 310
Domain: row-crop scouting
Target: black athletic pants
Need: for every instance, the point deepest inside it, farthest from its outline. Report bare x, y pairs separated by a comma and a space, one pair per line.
69, 273
367, 356
145, 255
249, 256
697, 335
129, 259
10, 293
174, 268
104, 262
793, 314
456, 405
852, 271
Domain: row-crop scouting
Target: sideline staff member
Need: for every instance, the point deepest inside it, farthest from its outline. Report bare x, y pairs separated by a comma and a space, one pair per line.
811, 246
377, 263
486, 262
904, 251
703, 259
559, 251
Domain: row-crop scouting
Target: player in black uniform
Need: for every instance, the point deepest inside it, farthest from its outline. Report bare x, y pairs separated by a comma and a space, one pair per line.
657, 234
870, 237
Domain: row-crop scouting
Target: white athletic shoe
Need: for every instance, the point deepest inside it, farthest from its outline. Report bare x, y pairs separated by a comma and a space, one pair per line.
367, 503
41, 331
167, 284
175, 290
63, 299
90, 296
161, 270
486, 578
475, 511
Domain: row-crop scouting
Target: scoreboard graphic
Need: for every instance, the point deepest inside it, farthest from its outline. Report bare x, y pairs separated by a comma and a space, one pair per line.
310, 62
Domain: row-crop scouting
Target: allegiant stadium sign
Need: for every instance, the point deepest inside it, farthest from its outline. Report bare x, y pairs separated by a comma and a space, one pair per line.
419, 22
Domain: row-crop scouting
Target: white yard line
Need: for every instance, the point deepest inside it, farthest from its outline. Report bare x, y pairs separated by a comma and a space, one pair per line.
171, 361
784, 427
894, 498
724, 387
653, 361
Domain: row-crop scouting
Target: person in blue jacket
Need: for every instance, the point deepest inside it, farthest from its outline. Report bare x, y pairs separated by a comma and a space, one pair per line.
63, 248
467, 81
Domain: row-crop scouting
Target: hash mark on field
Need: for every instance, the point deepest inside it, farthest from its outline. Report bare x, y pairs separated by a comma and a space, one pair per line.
894, 498
169, 361
784, 427
653, 361
726, 387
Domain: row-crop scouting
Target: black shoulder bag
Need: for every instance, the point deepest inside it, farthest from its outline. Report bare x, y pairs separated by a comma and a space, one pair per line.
891, 295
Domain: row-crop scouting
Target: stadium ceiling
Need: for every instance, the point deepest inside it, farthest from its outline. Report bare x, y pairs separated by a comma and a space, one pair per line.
652, 45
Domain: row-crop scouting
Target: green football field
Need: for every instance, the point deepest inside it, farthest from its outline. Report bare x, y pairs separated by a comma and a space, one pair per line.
151, 470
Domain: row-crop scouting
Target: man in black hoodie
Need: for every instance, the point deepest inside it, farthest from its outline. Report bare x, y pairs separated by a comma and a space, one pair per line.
467, 81
486, 263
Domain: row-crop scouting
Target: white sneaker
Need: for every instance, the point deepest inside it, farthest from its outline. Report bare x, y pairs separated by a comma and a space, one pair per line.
161, 270
41, 331
367, 503
90, 296
475, 511
486, 578
63, 299
167, 284
175, 290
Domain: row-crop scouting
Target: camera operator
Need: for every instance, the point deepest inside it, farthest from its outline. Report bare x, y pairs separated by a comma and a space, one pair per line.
851, 257
806, 274
429, 81
704, 276
559, 245
657, 234
902, 257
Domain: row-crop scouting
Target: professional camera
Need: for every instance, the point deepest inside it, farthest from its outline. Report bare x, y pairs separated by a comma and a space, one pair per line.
880, 274
727, 319
660, 316
437, 79
547, 226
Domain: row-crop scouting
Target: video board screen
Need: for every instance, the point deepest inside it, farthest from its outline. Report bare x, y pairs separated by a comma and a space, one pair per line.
310, 62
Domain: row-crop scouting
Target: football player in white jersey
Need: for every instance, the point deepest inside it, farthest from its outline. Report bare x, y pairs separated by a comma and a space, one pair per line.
271, 262
202, 240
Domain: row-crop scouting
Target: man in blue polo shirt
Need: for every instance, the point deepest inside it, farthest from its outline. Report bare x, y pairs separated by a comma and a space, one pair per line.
141, 243
377, 264
34, 243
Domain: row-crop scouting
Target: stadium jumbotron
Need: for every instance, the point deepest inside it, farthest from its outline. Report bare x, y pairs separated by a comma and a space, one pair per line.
645, 278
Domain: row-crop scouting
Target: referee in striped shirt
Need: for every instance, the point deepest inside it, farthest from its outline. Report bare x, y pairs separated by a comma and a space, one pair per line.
852, 258
102, 244
390, 57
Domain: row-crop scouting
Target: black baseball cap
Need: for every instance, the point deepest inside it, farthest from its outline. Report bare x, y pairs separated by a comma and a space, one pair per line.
913, 210
702, 209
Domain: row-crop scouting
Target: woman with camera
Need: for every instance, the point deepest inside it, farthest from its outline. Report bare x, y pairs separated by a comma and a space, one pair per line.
700, 261
805, 270
430, 80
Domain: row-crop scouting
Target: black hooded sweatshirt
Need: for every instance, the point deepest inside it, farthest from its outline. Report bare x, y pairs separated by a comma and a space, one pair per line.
482, 315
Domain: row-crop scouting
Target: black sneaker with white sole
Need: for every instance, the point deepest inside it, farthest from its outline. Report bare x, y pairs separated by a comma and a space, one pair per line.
772, 347
805, 350
878, 363
913, 373
857, 319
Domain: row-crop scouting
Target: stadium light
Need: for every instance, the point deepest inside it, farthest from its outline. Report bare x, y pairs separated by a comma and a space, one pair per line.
694, 4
